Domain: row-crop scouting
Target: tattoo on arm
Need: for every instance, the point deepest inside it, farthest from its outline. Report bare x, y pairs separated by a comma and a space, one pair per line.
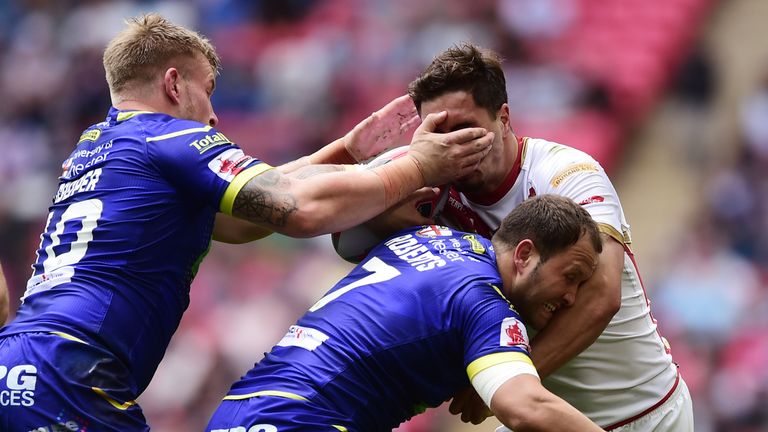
264, 199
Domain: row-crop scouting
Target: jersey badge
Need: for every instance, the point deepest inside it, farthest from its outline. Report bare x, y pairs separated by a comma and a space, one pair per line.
474, 243
513, 333
229, 163
90, 135
433, 231
592, 199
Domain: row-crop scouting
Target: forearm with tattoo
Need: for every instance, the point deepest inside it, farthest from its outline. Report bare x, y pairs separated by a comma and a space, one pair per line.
269, 198
264, 200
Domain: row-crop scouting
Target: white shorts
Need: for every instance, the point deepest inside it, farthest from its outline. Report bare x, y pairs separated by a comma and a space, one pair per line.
674, 415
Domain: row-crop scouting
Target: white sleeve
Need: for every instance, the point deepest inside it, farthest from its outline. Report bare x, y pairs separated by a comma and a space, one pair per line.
578, 176
487, 381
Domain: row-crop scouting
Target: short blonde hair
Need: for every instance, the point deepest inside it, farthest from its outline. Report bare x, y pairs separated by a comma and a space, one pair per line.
146, 44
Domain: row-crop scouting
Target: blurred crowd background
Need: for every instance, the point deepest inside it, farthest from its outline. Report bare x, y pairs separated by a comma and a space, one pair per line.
671, 96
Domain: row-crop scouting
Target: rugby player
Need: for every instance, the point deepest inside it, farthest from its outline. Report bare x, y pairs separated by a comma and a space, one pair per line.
139, 200
429, 311
604, 355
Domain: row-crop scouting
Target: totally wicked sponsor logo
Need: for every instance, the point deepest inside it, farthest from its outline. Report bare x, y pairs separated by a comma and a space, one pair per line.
208, 142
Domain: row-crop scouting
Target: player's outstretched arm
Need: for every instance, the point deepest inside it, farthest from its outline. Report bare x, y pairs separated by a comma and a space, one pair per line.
229, 229
523, 404
4, 302
572, 330
301, 207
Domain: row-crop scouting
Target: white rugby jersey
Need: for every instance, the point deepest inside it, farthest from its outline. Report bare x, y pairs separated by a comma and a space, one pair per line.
628, 370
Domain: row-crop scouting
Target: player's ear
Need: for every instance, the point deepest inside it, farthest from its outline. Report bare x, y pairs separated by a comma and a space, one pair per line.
171, 85
525, 254
503, 116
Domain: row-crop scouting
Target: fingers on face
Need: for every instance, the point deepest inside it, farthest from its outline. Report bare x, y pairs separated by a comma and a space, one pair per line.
477, 148
477, 136
432, 120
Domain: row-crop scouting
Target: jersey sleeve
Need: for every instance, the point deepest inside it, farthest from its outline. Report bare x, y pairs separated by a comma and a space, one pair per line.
492, 330
576, 175
200, 161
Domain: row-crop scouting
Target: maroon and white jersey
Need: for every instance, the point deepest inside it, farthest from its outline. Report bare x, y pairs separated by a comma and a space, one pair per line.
628, 370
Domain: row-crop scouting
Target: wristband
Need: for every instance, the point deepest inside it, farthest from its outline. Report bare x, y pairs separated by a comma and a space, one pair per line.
400, 177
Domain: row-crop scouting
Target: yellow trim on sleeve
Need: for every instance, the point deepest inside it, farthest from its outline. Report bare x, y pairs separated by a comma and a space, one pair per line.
121, 406
179, 133
341, 428
489, 360
228, 199
277, 393
611, 231
69, 337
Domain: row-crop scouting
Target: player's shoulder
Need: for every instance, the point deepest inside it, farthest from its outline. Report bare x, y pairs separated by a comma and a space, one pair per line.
434, 248
538, 150
195, 134
547, 161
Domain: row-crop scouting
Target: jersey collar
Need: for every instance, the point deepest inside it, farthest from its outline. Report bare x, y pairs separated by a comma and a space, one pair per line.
116, 116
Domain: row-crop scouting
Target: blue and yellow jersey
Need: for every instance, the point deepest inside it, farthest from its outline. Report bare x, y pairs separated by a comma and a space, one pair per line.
129, 224
407, 328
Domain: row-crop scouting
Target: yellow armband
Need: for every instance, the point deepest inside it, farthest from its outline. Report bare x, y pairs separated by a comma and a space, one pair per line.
240, 180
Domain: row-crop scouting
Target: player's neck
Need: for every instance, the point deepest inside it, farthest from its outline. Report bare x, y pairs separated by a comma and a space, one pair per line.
134, 105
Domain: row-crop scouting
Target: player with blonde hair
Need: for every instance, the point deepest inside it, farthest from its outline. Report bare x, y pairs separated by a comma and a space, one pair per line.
138, 202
